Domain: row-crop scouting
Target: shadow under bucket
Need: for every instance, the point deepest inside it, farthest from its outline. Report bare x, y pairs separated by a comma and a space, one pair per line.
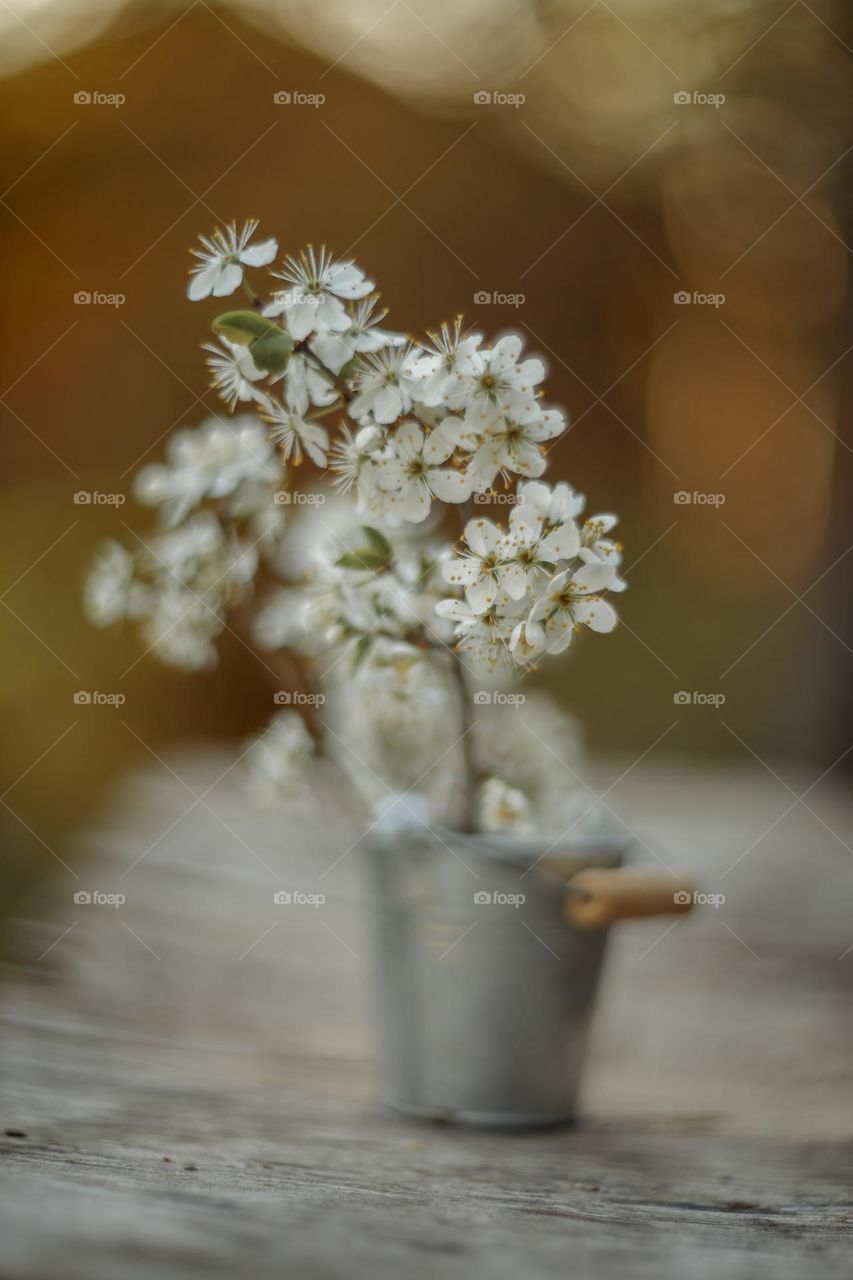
485, 990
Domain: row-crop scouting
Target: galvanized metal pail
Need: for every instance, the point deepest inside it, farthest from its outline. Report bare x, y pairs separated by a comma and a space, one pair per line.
485, 990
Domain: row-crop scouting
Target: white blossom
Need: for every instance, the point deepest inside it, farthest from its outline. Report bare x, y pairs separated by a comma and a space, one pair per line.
430, 370
415, 474
280, 620
557, 505
531, 552
336, 349
235, 373
222, 258
486, 569
399, 715
108, 585
483, 635
504, 807
181, 628
215, 460
512, 443
181, 551
490, 382
308, 385
352, 459
317, 283
384, 387
598, 548
278, 760
569, 600
540, 753
297, 434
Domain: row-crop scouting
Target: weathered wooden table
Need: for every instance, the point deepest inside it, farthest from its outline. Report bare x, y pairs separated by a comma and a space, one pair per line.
187, 1085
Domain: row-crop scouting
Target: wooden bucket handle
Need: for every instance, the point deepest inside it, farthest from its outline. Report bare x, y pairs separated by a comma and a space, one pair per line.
598, 896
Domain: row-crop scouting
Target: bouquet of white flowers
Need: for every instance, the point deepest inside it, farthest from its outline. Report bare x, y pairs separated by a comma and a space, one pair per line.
413, 638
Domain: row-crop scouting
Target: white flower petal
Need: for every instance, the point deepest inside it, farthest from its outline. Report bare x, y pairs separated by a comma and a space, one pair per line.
460, 572
202, 282
416, 503
449, 485
408, 440
513, 579
561, 543
482, 536
551, 424
437, 448
316, 441
458, 433
260, 255
481, 595
458, 610
505, 353
525, 524
602, 524
559, 632
228, 280
300, 319
526, 460
331, 314
347, 281
484, 466
592, 577
387, 405
596, 614
529, 374
333, 349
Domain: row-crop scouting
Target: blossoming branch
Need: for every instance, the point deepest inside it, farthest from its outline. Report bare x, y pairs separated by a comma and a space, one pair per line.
403, 431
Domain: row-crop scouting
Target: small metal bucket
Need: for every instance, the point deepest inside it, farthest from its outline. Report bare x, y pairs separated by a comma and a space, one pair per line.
485, 990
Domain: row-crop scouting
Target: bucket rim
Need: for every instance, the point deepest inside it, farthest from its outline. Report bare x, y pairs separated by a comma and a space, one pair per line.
594, 849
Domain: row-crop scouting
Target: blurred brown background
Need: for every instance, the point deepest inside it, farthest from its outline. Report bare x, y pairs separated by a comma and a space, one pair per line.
599, 198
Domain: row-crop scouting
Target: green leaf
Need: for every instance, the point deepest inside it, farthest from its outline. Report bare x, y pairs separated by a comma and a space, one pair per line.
244, 327
361, 651
380, 544
364, 559
271, 352
350, 369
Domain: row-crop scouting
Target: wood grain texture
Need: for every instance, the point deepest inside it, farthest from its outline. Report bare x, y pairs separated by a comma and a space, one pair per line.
193, 1081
